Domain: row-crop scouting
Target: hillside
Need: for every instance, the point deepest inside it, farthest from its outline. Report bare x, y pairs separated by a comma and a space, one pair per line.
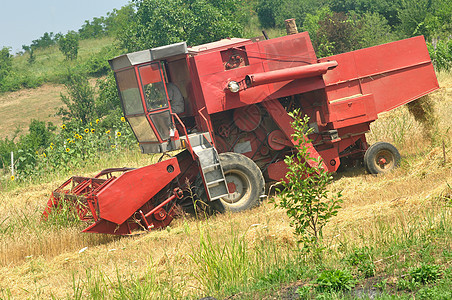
400, 221
19, 108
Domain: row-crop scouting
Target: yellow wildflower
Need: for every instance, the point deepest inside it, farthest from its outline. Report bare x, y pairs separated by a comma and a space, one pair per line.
63, 126
113, 146
86, 130
107, 132
12, 177
92, 130
123, 119
67, 149
97, 121
118, 133
44, 155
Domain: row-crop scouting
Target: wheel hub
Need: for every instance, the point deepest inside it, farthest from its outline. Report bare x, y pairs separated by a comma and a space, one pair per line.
237, 186
231, 187
385, 160
382, 161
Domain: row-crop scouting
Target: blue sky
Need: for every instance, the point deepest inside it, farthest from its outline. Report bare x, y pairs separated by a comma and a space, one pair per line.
22, 21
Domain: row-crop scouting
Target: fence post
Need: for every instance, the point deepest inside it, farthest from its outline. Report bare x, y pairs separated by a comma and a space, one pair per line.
12, 163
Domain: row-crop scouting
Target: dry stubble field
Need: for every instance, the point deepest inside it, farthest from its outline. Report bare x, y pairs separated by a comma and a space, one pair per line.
39, 261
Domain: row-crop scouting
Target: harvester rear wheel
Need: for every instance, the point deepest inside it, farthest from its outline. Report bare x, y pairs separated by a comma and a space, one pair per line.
244, 179
381, 158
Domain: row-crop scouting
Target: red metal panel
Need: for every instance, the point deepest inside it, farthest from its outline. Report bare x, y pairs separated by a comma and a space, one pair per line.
277, 171
399, 87
218, 98
352, 111
122, 197
395, 73
331, 158
150, 73
284, 121
284, 52
287, 52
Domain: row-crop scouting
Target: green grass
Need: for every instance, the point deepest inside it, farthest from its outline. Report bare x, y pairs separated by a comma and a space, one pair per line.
50, 64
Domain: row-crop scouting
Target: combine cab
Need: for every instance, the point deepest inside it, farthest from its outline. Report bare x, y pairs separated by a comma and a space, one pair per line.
224, 106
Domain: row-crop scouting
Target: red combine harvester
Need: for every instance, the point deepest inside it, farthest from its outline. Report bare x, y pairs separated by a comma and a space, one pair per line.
224, 106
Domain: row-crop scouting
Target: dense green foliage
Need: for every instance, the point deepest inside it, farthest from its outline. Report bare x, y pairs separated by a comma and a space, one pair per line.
6, 62
74, 145
80, 101
163, 22
272, 13
338, 26
69, 44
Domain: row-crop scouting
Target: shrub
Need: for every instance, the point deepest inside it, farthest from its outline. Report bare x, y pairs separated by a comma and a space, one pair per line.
305, 197
362, 259
6, 62
107, 102
69, 45
97, 65
6, 147
335, 280
163, 22
76, 144
441, 54
272, 13
425, 273
373, 29
267, 12
80, 99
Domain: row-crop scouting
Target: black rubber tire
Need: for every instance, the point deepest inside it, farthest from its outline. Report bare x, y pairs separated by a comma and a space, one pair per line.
381, 158
247, 179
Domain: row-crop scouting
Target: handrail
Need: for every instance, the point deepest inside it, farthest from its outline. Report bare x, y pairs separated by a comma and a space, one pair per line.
208, 126
186, 133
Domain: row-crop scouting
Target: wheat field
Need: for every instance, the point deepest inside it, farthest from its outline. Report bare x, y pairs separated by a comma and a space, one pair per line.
39, 261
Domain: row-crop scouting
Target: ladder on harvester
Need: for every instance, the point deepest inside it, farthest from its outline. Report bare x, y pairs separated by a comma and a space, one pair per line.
209, 165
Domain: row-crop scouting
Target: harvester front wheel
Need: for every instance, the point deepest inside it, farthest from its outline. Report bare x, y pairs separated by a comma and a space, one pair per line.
381, 158
244, 179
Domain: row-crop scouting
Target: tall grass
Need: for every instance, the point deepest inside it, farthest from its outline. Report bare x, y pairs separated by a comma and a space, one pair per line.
392, 230
250, 269
24, 234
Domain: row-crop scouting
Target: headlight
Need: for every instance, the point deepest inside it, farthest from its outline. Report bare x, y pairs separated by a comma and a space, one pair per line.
233, 86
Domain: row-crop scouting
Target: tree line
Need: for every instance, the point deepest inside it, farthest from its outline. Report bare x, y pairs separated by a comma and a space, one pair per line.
335, 26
